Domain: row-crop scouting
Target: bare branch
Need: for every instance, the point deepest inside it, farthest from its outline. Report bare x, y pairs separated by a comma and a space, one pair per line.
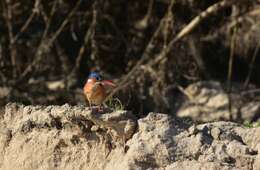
64, 23
193, 24
29, 20
251, 66
230, 70
185, 31
146, 54
9, 16
46, 44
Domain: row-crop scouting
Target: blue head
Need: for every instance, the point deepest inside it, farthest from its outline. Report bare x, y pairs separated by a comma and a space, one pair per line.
95, 75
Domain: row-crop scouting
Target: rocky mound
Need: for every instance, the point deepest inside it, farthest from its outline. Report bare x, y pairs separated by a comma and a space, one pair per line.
208, 101
66, 137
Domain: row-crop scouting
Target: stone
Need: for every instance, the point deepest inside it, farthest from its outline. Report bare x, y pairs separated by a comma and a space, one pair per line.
207, 101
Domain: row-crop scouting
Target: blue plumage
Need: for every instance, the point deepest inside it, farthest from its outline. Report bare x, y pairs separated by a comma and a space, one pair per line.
95, 75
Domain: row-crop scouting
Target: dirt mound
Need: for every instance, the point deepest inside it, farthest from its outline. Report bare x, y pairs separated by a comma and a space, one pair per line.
74, 137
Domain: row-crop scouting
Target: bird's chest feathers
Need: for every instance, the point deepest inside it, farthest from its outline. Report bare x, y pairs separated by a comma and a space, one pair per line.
94, 91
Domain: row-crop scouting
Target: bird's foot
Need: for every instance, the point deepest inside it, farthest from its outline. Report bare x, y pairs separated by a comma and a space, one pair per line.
100, 109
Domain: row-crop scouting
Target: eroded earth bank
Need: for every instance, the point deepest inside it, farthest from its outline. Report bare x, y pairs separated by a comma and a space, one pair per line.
73, 137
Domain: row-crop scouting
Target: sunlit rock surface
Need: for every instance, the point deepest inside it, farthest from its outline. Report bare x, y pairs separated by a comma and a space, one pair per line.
74, 137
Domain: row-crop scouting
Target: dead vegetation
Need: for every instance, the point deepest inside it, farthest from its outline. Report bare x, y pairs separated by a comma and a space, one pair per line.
153, 48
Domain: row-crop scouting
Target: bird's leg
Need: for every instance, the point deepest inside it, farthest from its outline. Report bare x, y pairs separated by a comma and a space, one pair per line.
100, 108
89, 104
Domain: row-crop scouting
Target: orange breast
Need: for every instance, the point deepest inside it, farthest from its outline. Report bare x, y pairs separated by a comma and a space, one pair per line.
95, 92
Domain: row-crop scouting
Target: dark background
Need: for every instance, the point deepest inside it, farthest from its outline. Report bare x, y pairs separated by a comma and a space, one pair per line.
44, 43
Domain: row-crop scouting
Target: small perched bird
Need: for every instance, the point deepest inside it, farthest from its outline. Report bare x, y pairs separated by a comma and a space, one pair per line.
95, 89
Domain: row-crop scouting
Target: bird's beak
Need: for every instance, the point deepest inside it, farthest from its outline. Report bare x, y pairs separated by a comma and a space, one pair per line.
109, 83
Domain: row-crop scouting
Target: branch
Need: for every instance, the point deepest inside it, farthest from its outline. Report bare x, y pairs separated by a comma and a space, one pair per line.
146, 54
184, 32
64, 23
193, 24
82, 49
251, 66
8, 18
29, 20
46, 44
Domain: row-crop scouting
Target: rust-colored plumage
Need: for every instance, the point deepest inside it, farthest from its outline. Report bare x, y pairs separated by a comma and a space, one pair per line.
95, 90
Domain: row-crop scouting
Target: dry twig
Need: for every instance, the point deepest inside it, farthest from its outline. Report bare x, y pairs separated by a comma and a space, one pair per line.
83, 48
146, 54
192, 25
29, 20
46, 44
251, 66
12, 49
184, 32
230, 69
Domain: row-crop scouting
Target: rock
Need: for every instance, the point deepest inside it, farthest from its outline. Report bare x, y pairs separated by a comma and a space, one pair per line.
75, 137
54, 85
4, 91
207, 101
40, 137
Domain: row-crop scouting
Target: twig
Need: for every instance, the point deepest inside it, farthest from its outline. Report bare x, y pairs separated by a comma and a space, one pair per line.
46, 30
29, 20
251, 66
113, 24
39, 49
94, 44
188, 95
185, 31
146, 54
25, 26
64, 23
250, 91
196, 54
168, 26
145, 21
231, 58
193, 24
240, 19
82, 48
9, 16
230, 69
197, 20
46, 44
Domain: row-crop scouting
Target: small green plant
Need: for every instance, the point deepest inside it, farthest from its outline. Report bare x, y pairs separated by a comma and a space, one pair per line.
115, 104
251, 124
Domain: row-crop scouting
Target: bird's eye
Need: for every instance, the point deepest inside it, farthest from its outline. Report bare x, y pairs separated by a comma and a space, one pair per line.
98, 78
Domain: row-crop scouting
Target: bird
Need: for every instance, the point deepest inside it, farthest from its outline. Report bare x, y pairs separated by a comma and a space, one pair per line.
95, 89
